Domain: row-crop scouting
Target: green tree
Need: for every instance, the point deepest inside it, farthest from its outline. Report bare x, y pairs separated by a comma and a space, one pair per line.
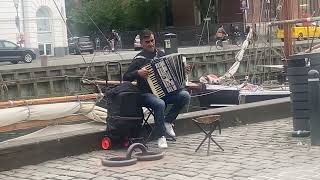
116, 14
145, 13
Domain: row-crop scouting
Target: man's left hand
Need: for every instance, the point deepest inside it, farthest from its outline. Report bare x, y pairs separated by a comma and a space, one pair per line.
188, 68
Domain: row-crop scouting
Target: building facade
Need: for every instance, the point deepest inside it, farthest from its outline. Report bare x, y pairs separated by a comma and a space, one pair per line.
37, 24
184, 13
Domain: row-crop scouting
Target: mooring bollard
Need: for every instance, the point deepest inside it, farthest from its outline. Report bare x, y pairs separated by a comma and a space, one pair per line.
314, 103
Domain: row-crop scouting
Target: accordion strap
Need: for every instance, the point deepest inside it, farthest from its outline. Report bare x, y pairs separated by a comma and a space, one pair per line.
139, 57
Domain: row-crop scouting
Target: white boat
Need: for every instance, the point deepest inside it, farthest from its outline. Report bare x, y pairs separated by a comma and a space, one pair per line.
219, 94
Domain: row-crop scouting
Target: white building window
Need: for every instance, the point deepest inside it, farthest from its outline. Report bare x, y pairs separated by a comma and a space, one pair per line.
44, 27
45, 49
43, 20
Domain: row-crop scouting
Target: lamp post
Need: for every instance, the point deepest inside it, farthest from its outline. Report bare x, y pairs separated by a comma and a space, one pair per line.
244, 7
17, 19
206, 21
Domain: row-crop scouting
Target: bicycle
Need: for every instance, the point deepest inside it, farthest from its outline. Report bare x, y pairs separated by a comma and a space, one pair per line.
108, 48
236, 40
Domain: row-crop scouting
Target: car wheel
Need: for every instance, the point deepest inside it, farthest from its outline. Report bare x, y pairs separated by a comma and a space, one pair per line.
14, 62
91, 52
300, 37
27, 57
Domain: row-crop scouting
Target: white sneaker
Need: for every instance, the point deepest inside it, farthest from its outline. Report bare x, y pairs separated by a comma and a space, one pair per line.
169, 129
162, 142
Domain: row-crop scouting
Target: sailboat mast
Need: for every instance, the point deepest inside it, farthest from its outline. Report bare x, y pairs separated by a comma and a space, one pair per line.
287, 14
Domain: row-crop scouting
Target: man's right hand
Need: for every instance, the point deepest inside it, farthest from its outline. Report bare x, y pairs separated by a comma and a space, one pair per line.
143, 72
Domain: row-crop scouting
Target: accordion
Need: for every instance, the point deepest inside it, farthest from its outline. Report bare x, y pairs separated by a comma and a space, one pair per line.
166, 74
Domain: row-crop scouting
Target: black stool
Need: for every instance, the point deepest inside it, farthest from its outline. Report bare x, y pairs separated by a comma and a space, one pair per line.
147, 125
213, 121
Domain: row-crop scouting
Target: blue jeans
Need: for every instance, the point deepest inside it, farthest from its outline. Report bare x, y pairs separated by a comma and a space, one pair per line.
178, 100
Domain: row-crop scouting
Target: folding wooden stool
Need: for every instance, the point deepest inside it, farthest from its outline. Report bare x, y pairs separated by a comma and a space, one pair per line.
213, 121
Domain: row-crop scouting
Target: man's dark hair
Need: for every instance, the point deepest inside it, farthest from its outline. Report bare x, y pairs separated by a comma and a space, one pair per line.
145, 34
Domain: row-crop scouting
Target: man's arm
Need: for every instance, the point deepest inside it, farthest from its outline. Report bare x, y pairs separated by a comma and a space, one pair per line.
224, 32
132, 72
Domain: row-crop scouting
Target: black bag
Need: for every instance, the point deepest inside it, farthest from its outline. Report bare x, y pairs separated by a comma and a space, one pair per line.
124, 110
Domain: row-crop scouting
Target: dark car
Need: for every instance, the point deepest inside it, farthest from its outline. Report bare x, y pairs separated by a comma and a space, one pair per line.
78, 45
11, 52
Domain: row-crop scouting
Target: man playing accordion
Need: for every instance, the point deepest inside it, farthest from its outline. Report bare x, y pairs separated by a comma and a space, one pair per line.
178, 99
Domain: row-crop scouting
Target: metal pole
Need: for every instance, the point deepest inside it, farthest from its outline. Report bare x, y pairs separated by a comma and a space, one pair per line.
17, 20
208, 31
244, 20
314, 103
287, 4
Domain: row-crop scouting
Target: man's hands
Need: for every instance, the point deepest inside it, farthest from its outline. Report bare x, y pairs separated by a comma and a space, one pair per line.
143, 72
188, 68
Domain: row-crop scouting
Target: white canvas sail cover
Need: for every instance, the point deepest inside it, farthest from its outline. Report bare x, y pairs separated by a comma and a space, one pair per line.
239, 56
51, 111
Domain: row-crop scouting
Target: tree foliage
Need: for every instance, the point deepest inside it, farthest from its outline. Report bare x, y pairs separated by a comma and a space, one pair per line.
116, 14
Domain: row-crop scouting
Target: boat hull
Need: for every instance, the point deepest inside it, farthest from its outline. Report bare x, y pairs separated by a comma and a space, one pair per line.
222, 96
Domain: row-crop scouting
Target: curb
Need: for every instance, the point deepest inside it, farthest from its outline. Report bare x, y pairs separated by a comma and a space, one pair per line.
14, 154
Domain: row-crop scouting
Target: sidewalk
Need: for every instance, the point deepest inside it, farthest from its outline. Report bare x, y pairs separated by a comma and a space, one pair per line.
260, 151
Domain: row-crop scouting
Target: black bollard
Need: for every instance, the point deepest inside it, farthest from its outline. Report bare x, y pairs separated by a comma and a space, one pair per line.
314, 102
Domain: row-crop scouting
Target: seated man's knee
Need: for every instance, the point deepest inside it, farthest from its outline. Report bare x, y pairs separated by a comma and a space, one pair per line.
184, 96
159, 105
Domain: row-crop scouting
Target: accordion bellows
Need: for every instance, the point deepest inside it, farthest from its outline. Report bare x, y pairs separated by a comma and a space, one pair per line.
166, 74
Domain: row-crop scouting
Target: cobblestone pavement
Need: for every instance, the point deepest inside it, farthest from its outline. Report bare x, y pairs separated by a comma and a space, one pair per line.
257, 151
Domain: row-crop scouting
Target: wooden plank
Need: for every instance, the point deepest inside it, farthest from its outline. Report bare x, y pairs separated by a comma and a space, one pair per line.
9, 104
112, 82
42, 123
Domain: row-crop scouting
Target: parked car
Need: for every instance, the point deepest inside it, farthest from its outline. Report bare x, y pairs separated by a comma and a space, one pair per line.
11, 52
78, 45
137, 45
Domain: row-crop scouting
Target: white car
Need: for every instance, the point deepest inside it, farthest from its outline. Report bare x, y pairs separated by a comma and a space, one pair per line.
137, 45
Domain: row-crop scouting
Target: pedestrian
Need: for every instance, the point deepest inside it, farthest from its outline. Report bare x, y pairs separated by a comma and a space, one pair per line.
221, 33
114, 38
178, 99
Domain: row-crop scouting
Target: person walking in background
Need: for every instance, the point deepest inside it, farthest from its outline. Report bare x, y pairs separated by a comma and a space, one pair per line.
114, 39
178, 99
221, 33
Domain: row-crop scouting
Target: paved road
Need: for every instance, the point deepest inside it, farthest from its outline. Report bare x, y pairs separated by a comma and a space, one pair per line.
125, 54
97, 57
257, 152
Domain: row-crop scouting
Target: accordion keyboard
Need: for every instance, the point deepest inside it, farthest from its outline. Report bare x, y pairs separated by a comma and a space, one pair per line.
166, 75
154, 85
